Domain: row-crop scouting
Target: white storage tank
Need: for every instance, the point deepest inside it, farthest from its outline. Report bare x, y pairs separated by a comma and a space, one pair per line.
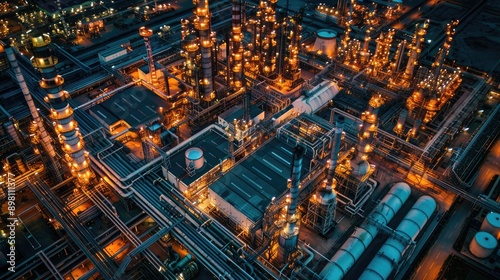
483, 244
195, 156
316, 98
491, 224
326, 42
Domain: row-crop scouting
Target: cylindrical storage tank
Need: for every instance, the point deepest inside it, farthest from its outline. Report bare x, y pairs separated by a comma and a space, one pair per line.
391, 252
491, 224
357, 243
194, 155
391, 203
326, 42
483, 244
316, 98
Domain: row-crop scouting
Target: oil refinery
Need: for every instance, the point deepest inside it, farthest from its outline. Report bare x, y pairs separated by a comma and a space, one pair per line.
239, 139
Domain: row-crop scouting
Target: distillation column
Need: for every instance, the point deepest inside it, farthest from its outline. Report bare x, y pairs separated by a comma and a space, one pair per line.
146, 34
415, 48
61, 112
292, 67
443, 52
381, 56
268, 37
37, 124
321, 210
237, 53
368, 128
365, 52
202, 26
190, 52
395, 66
288, 237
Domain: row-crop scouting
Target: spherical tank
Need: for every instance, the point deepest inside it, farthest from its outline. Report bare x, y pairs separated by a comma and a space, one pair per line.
491, 224
483, 244
194, 155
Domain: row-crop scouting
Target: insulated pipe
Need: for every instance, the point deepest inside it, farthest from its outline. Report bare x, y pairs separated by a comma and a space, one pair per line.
44, 136
362, 237
391, 252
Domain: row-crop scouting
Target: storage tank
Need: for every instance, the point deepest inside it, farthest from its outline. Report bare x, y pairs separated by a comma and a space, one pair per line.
326, 42
483, 244
491, 224
362, 237
195, 156
391, 252
316, 98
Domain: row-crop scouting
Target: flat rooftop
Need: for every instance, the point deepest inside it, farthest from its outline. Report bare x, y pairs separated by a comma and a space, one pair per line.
252, 184
136, 105
215, 150
236, 112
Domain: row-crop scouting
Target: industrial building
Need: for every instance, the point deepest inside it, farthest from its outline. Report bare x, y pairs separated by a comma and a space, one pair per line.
241, 140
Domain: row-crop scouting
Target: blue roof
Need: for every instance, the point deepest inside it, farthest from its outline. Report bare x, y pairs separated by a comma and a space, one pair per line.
251, 185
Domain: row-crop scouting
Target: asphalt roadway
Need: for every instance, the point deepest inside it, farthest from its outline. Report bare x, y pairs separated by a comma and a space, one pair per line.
443, 247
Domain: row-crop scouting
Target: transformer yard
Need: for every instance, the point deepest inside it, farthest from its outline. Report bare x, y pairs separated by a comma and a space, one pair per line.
249, 139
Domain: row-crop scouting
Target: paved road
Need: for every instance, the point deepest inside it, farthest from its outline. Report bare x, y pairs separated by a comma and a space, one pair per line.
430, 267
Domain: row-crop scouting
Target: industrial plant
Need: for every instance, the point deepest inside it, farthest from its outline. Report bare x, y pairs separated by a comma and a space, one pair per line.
249, 140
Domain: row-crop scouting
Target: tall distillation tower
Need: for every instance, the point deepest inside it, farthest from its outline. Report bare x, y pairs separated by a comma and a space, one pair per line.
368, 128
380, 57
437, 66
288, 236
61, 112
203, 28
237, 53
268, 44
146, 34
37, 127
437, 87
353, 176
415, 49
321, 209
292, 72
